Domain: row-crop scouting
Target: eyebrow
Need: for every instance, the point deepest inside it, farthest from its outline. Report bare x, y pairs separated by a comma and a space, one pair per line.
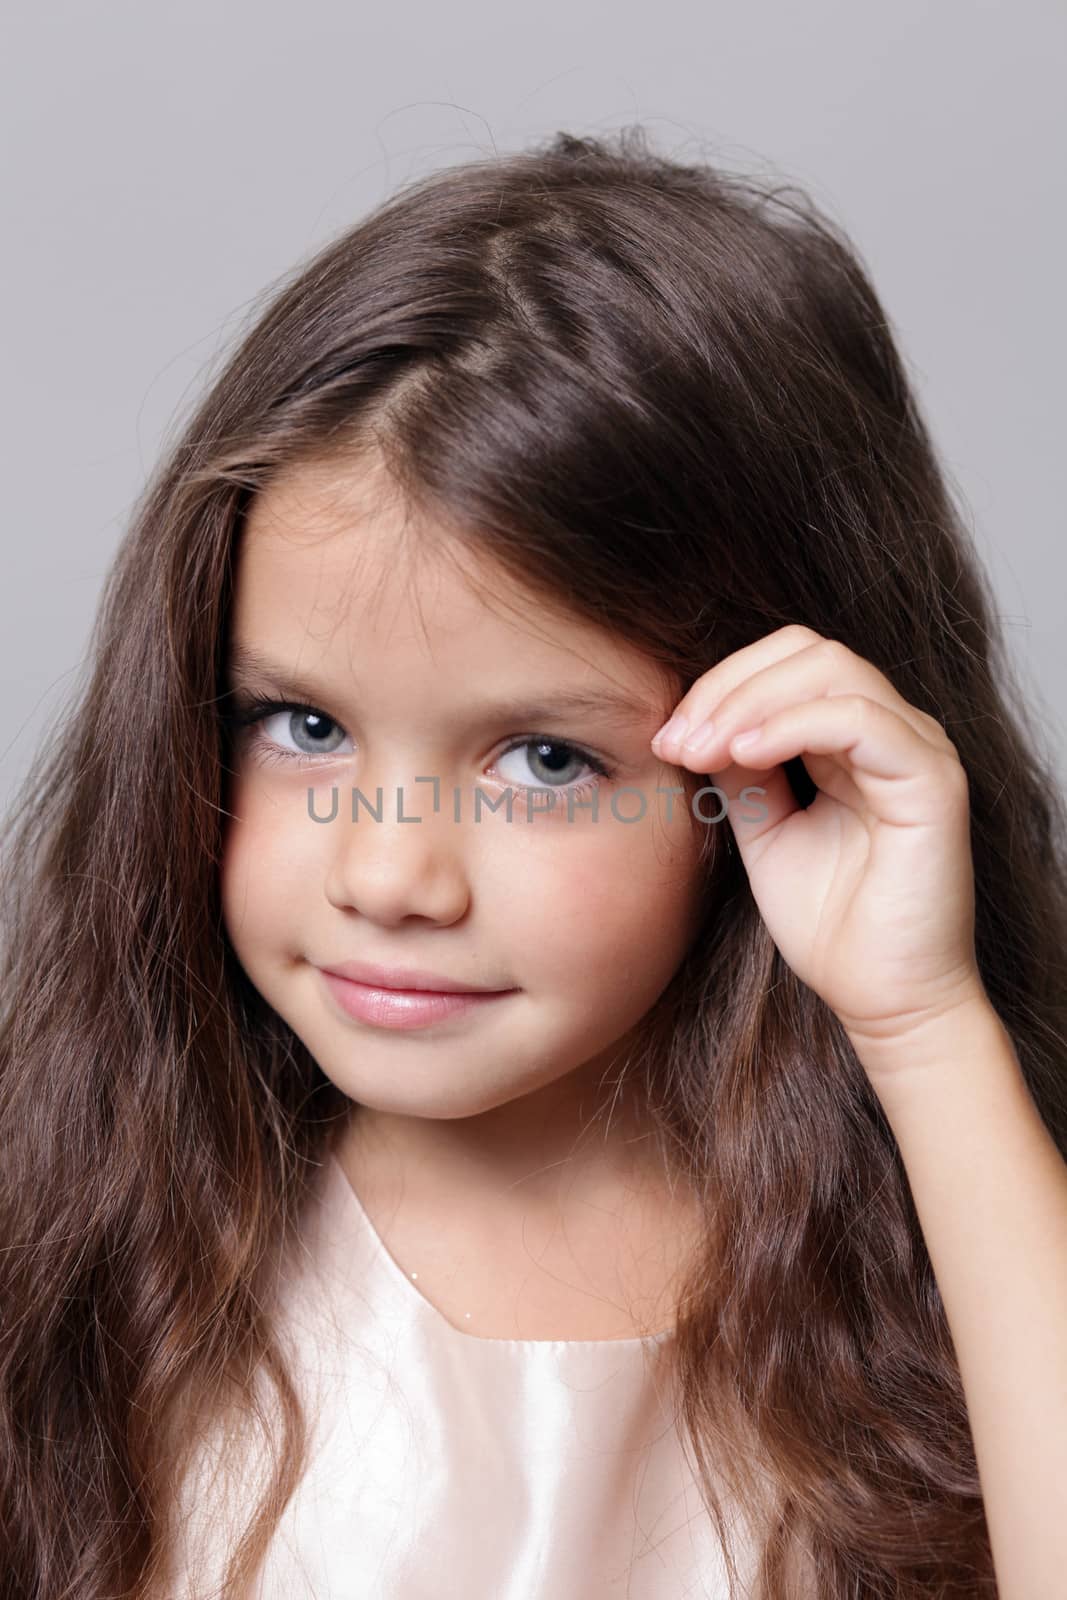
608, 704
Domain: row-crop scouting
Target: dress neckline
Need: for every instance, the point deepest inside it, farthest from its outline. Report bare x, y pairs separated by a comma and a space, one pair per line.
340, 1190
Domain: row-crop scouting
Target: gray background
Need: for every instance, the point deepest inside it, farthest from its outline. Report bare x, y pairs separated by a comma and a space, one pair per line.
165, 165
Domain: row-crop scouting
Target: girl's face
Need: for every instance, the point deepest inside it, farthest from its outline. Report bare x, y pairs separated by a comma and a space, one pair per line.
401, 676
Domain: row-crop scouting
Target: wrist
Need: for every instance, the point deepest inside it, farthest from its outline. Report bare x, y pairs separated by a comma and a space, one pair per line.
953, 1050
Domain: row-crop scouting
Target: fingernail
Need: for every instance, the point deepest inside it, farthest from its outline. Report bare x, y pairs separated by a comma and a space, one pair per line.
672, 730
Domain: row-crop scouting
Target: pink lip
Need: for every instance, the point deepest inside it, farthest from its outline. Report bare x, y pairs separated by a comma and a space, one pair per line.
403, 978
405, 1008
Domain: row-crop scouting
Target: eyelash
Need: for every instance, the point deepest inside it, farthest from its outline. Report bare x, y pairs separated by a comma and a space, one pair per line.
248, 713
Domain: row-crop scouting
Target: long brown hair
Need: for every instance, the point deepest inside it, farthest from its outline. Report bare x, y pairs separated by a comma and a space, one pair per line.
670, 396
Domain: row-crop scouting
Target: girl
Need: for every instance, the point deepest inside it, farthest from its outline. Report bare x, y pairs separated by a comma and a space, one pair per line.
644, 1174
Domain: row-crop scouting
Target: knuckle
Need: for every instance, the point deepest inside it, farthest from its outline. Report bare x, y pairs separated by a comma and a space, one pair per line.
800, 633
931, 723
834, 652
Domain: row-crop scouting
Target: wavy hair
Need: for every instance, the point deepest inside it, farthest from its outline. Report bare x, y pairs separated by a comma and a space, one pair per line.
670, 397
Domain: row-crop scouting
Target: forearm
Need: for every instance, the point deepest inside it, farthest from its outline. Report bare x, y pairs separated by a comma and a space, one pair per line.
990, 1190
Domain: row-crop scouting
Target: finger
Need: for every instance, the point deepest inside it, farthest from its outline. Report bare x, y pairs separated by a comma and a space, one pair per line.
825, 667
768, 801
897, 771
695, 705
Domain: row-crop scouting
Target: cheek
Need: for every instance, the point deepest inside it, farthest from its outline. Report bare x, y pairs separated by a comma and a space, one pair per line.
266, 866
619, 905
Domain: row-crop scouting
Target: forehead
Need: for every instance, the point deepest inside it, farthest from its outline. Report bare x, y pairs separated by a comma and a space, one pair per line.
331, 561
339, 536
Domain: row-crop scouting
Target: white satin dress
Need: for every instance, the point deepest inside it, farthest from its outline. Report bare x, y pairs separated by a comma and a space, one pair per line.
445, 1464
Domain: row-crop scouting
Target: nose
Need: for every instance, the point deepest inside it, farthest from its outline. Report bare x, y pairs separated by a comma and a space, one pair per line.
398, 858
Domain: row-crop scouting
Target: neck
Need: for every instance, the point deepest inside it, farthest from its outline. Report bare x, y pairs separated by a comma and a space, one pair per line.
570, 1143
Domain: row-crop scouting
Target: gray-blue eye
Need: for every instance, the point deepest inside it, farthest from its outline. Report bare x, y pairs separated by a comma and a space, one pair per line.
554, 759
311, 731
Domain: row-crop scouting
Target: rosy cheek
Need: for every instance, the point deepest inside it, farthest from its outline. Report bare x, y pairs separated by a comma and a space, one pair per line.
261, 858
594, 889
